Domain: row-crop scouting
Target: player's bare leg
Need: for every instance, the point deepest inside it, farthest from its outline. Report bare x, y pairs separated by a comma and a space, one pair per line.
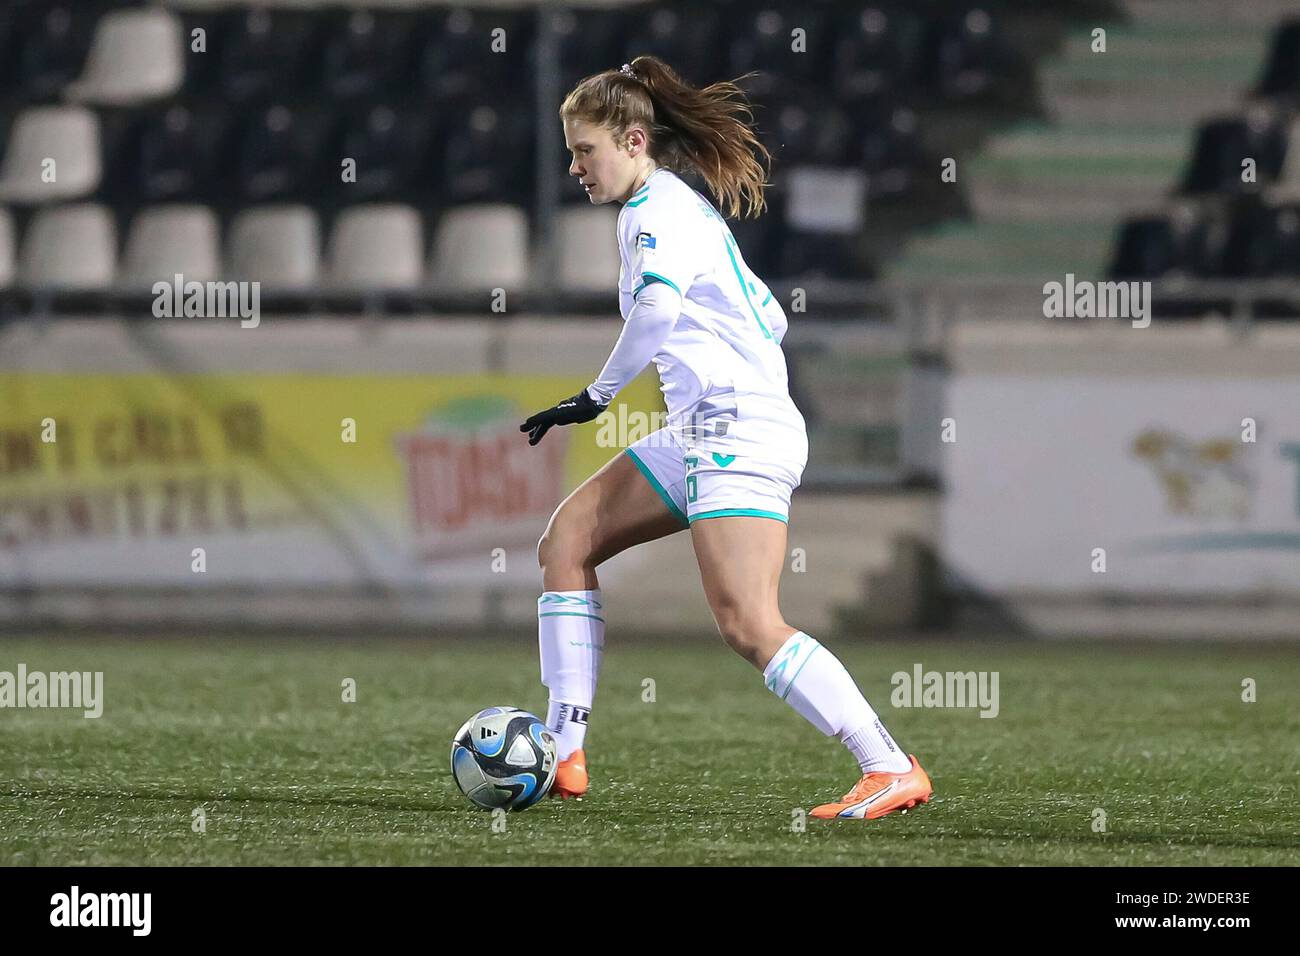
741, 558
613, 510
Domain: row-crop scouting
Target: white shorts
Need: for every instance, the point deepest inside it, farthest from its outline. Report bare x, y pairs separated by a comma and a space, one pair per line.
714, 473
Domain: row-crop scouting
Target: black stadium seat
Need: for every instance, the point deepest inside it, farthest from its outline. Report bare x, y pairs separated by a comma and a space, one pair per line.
167, 155
367, 55
456, 61
1221, 145
876, 54
488, 155
277, 155
51, 43
1282, 74
685, 35
266, 54
393, 148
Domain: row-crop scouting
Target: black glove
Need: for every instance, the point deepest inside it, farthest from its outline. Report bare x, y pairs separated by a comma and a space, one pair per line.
572, 411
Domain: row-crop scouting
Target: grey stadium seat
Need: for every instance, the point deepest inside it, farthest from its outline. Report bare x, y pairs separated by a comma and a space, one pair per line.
376, 246
278, 246
163, 241
68, 135
69, 247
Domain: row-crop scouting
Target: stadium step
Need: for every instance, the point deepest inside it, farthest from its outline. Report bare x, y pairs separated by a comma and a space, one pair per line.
1048, 197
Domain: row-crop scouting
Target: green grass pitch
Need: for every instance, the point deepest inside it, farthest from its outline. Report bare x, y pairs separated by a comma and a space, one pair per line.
254, 732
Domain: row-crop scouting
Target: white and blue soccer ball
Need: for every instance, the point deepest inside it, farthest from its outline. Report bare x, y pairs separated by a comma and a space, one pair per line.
503, 757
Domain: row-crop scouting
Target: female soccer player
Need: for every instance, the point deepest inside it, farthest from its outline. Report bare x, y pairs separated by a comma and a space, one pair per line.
734, 446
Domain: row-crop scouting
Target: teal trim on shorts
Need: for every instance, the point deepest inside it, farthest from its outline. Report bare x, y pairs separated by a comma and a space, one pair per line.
729, 512
654, 483
570, 614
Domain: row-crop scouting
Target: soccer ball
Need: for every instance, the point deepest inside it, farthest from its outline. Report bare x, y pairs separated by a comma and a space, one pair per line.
503, 757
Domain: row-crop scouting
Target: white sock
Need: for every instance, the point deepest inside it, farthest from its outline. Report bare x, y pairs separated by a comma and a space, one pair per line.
571, 642
813, 681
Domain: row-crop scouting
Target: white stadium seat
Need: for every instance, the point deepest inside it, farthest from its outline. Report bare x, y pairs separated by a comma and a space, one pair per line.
278, 246
137, 55
163, 241
376, 246
69, 247
588, 239
67, 135
481, 247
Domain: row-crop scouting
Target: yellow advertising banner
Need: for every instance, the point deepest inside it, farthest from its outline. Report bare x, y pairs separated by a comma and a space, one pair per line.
381, 475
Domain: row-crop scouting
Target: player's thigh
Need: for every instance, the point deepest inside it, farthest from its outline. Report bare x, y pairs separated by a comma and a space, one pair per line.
613, 510
741, 558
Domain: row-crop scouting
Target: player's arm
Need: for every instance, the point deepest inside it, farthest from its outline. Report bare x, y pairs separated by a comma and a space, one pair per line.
648, 324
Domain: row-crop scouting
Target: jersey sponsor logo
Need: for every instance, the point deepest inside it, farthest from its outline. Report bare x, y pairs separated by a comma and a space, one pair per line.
645, 240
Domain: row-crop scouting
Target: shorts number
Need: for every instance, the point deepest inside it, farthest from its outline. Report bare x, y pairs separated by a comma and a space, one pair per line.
690, 487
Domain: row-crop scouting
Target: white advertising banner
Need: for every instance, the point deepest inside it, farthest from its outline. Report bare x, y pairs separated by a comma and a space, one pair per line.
1092, 485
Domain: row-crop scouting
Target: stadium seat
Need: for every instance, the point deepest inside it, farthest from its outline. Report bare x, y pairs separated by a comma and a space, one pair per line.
68, 135
1146, 249
136, 56
455, 64
965, 61
393, 152
1282, 73
167, 155
488, 156
377, 247
875, 52
7, 251
365, 55
1287, 238
590, 41
480, 247
278, 246
687, 38
762, 41
803, 127
276, 155
69, 247
52, 41
163, 241
588, 248
1248, 251
1287, 186
266, 54
1222, 144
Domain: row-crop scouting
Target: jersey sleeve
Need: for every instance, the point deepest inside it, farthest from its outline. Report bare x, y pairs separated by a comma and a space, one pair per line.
657, 245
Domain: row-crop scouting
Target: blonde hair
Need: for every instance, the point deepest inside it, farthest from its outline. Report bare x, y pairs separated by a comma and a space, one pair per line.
707, 129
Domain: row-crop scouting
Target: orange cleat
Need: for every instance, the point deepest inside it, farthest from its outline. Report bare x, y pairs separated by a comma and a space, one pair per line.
879, 793
570, 776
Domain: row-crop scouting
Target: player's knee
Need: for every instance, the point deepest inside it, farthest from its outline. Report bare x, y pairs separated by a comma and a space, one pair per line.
743, 632
555, 550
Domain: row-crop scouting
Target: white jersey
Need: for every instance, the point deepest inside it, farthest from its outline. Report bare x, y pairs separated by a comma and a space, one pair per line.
725, 348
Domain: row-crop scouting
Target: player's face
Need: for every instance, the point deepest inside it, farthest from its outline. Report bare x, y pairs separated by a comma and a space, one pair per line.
605, 170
